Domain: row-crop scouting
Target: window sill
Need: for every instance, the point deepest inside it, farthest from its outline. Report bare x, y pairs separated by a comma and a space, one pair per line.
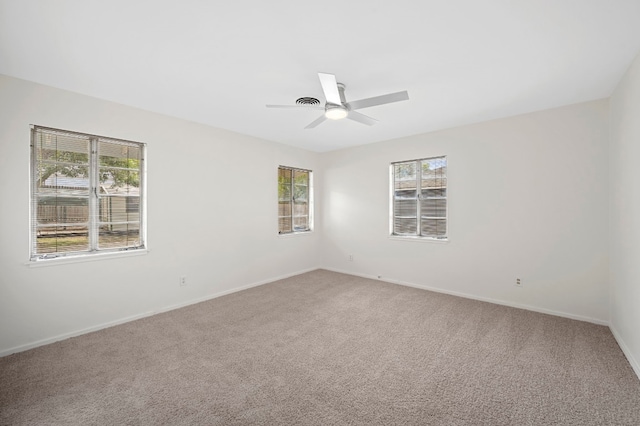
418, 239
295, 234
85, 258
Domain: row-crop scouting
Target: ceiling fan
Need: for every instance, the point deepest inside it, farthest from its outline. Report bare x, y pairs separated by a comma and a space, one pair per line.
336, 106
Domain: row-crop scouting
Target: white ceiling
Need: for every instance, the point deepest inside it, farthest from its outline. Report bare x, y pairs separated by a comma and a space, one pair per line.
219, 62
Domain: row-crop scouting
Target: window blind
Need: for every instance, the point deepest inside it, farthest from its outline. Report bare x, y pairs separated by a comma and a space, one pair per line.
420, 198
87, 194
293, 200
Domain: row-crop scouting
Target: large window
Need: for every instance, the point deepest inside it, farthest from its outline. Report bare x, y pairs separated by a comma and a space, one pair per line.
419, 198
87, 194
294, 200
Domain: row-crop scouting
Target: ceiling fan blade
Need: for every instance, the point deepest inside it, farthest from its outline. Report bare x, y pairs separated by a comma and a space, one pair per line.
361, 118
330, 88
379, 100
296, 106
316, 122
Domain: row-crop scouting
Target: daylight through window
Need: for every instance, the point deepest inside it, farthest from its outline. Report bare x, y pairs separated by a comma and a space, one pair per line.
294, 200
419, 198
86, 194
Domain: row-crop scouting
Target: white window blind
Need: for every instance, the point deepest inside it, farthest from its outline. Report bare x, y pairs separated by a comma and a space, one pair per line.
294, 200
419, 198
87, 194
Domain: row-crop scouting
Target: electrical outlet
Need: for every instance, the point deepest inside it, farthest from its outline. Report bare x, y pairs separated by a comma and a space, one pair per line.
183, 281
518, 282
350, 258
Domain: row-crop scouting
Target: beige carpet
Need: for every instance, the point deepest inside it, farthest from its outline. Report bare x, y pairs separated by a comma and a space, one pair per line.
328, 349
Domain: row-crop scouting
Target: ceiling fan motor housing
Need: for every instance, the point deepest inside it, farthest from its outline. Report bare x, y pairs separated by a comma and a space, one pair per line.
334, 111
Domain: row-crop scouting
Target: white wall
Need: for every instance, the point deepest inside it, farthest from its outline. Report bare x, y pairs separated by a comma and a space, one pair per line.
625, 214
212, 216
528, 198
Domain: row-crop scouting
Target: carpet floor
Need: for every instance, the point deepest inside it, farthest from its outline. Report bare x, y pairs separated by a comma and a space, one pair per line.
324, 348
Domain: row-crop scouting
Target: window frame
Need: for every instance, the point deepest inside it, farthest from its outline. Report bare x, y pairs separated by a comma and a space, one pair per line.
93, 222
419, 198
291, 215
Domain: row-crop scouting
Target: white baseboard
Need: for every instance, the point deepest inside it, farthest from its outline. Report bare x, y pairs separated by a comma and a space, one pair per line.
626, 351
65, 336
233, 290
474, 297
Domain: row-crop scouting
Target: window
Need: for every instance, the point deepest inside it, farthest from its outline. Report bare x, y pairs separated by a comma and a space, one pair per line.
87, 194
419, 198
294, 200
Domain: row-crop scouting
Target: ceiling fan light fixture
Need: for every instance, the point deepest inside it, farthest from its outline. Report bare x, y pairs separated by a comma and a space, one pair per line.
335, 112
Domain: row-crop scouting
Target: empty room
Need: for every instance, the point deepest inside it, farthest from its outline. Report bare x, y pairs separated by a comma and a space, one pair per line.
334, 213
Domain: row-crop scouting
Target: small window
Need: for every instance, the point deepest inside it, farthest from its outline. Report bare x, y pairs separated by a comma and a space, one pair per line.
294, 200
419, 198
87, 194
